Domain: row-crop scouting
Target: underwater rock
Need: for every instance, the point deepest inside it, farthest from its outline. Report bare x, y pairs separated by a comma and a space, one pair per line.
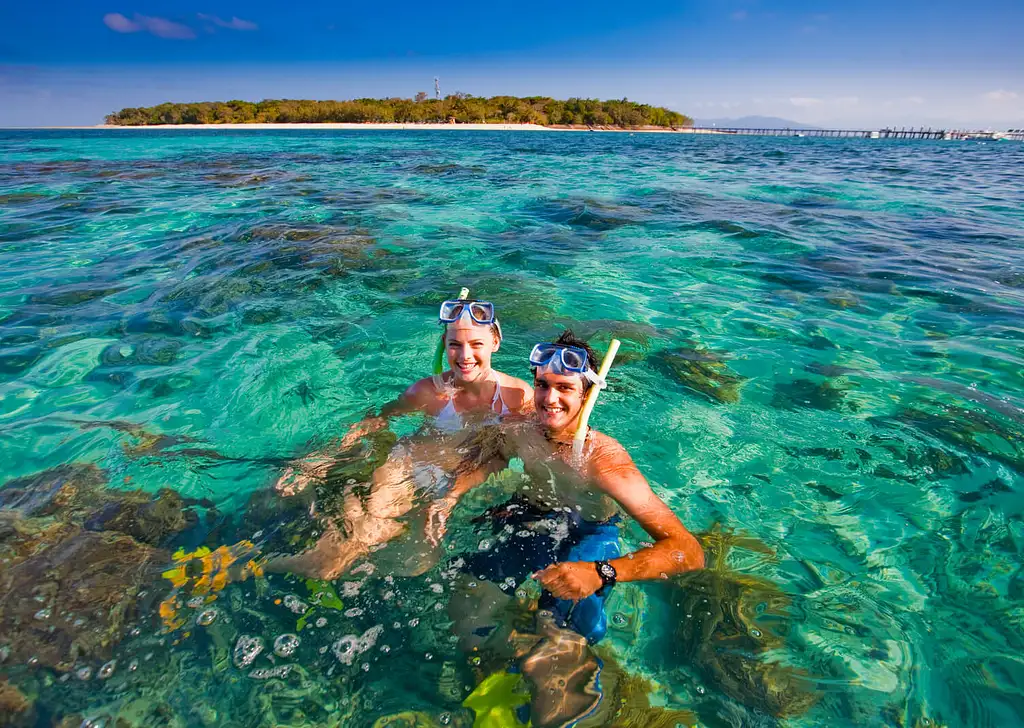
730, 625
703, 371
71, 593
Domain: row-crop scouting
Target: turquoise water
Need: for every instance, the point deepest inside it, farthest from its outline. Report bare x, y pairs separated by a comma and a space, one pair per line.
823, 354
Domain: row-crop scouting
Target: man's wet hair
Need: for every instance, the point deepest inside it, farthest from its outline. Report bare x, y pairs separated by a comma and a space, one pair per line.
568, 338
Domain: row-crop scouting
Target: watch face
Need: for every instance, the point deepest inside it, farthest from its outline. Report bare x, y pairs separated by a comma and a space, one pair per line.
607, 570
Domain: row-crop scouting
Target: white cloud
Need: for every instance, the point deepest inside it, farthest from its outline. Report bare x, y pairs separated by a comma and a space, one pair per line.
803, 102
1000, 95
233, 24
121, 24
160, 27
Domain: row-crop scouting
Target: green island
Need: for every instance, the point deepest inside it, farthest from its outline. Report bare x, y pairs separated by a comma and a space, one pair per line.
456, 108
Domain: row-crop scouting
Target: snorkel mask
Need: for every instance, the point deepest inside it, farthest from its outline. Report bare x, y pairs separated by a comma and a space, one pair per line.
562, 359
480, 312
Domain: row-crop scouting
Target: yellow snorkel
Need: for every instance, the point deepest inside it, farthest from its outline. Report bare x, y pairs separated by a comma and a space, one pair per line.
439, 352
591, 400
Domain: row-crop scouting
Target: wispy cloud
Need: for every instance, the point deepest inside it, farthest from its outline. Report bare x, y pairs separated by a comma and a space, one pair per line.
1000, 95
160, 27
803, 101
233, 24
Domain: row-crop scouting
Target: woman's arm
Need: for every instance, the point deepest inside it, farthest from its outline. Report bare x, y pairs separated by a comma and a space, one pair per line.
298, 475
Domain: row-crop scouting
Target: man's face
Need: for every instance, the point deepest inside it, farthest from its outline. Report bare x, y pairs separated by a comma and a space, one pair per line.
558, 398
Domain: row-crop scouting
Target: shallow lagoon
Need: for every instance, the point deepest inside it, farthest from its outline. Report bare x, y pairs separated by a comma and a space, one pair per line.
822, 368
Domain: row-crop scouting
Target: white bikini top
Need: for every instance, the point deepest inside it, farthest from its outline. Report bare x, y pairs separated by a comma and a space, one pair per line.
449, 419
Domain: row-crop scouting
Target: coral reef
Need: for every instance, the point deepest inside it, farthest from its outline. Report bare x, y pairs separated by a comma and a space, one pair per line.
77, 558
731, 624
703, 371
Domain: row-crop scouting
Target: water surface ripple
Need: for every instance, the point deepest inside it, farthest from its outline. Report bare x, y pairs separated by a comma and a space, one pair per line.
822, 366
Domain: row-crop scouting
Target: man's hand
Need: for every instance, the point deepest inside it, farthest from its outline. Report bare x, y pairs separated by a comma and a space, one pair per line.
438, 514
570, 579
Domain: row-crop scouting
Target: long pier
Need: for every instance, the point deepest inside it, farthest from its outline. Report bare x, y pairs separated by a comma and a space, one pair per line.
888, 133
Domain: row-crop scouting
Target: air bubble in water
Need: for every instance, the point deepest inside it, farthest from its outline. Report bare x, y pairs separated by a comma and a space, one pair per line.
133, 666
83, 673
285, 645
207, 617
353, 612
755, 633
619, 619
247, 649
107, 670
484, 545
321, 621
195, 602
43, 613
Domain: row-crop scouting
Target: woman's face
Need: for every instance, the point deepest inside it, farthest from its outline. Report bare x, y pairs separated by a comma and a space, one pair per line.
469, 346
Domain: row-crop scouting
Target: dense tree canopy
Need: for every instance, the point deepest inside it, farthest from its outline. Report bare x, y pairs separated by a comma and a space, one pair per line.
463, 108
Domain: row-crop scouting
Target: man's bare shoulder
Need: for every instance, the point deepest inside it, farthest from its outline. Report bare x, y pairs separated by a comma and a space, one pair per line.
607, 452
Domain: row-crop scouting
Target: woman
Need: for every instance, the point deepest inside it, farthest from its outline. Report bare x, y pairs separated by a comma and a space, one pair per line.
470, 392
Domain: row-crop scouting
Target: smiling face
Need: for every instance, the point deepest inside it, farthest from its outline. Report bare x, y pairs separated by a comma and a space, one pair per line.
558, 399
469, 346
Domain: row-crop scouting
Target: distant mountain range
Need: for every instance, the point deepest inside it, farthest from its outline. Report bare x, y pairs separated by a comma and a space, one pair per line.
755, 122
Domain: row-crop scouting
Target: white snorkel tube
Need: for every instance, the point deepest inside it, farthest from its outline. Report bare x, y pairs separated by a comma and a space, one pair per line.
588, 404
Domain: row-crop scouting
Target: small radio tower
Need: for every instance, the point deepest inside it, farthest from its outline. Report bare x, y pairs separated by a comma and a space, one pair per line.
437, 88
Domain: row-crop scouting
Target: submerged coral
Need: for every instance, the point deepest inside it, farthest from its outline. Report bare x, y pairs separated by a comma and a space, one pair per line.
703, 371
78, 557
731, 624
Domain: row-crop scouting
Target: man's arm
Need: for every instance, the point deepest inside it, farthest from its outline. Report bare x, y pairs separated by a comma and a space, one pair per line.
675, 549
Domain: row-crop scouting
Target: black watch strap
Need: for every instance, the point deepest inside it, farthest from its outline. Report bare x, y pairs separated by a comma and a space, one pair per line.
607, 573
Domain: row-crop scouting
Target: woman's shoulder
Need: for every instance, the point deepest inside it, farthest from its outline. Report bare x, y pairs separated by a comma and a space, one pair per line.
515, 393
422, 391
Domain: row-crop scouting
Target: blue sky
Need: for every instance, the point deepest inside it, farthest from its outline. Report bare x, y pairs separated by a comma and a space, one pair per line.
861, 63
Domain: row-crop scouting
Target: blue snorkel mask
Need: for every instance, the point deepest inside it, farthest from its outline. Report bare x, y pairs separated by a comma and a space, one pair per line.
479, 312
565, 360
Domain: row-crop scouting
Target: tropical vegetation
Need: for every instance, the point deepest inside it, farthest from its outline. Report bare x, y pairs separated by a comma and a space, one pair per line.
455, 108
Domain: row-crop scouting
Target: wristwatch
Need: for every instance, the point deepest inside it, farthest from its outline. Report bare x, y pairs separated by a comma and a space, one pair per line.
607, 573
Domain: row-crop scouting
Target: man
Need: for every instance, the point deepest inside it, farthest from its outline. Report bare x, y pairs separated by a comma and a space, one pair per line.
562, 532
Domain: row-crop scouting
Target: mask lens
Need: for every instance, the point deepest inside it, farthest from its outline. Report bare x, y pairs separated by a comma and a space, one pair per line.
451, 310
542, 354
482, 312
573, 359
